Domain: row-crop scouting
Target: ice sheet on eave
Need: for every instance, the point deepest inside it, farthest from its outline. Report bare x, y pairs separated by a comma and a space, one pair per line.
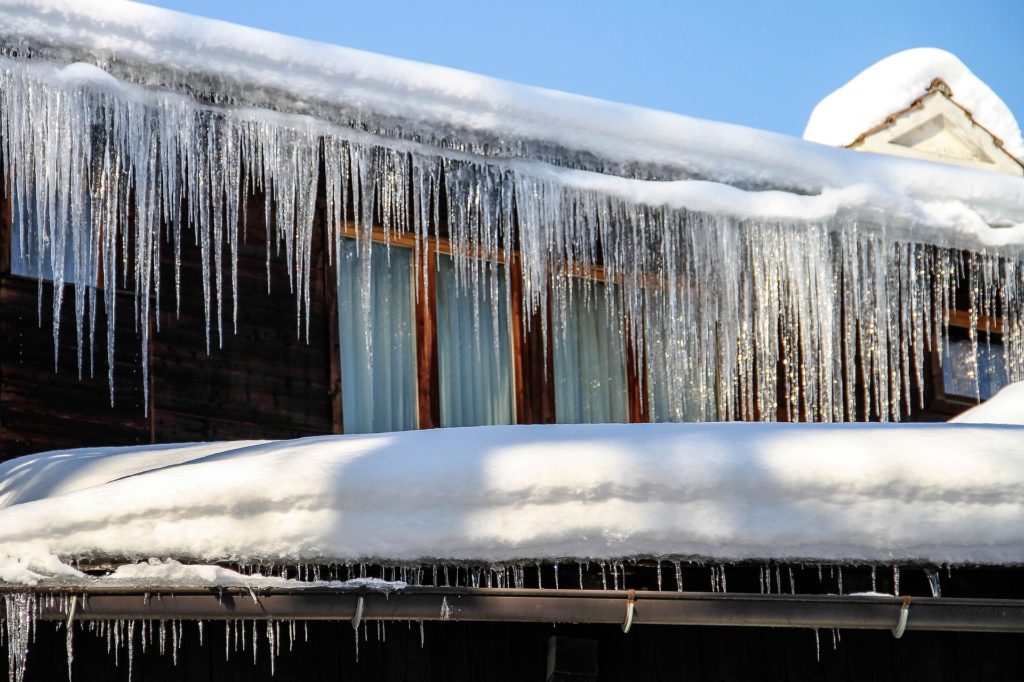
894, 83
153, 46
856, 493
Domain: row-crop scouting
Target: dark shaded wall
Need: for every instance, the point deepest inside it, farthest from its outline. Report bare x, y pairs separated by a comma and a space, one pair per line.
265, 382
500, 652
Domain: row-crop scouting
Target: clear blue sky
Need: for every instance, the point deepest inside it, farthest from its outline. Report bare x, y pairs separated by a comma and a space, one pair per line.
762, 64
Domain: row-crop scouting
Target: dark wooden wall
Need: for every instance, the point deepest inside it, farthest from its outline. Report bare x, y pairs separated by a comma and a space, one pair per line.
510, 652
265, 382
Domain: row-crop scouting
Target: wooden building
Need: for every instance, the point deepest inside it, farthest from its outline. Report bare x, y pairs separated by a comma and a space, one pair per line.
191, 249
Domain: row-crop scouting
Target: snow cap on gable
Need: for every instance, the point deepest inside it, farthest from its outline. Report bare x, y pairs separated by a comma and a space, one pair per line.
893, 84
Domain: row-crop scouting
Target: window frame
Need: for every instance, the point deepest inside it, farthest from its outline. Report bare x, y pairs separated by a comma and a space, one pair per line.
532, 357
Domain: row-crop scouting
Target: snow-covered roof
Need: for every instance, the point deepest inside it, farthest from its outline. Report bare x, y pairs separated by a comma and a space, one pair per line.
894, 83
234, 64
929, 493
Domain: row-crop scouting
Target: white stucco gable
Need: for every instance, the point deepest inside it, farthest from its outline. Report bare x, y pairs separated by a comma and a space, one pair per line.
936, 128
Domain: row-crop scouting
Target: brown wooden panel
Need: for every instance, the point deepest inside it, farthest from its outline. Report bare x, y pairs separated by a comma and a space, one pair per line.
428, 380
6, 228
266, 381
533, 364
41, 409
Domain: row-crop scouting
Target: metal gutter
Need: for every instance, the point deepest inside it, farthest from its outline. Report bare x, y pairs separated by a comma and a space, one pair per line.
549, 606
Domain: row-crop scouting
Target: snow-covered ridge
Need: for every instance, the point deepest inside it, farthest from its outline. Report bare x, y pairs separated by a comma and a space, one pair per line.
894, 83
930, 493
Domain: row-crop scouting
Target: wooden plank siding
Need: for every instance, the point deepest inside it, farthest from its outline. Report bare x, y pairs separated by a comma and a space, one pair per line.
41, 409
266, 381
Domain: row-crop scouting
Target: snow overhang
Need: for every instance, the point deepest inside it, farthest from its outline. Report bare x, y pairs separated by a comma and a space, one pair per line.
234, 66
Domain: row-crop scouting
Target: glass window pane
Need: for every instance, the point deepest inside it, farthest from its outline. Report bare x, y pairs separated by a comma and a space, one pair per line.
959, 371
474, 359
590, 361
378, 360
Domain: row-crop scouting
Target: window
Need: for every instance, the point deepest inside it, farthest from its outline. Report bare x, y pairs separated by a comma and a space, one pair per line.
448, 347
589, 358
378, 350
964, 377
473, 339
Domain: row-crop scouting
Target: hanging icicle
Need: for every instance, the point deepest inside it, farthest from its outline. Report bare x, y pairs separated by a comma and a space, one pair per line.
727, 318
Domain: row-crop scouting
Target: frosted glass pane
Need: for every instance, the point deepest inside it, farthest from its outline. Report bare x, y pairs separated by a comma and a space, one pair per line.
474, 360
590, 362
378, 388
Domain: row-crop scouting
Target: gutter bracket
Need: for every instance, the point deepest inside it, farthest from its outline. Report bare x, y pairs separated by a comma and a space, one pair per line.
901, 625
630, 610
72, 609
358, 617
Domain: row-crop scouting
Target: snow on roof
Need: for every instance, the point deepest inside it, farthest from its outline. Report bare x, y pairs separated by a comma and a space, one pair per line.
893, 84
931, 493
1005, 407
230, 63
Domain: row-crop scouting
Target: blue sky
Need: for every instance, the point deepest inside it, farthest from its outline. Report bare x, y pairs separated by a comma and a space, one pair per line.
762, 64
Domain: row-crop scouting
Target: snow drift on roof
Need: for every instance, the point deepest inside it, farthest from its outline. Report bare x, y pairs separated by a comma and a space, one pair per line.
1005, 407
932, 493
892, 85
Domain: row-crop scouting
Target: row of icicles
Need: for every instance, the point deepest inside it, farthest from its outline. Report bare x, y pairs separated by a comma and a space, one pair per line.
22, 610
110, 185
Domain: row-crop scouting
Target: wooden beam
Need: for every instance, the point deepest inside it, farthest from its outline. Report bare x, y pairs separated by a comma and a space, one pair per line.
639, 410
6, 229
427, 376
330, 269
986, 323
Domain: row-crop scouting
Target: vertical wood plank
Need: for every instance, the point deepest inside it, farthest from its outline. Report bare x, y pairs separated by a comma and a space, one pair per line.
523, 409
427, 377
330, 269
639, 410
6, 229
533, 364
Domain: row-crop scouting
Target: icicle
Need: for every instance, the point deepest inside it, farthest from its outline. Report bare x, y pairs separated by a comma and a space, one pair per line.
933, 581
131, 647
817, 646
69, 645
446, 610
20, 619
271, 643
836, 305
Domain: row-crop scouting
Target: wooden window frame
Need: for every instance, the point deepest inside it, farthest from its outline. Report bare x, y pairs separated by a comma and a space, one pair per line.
532, 368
